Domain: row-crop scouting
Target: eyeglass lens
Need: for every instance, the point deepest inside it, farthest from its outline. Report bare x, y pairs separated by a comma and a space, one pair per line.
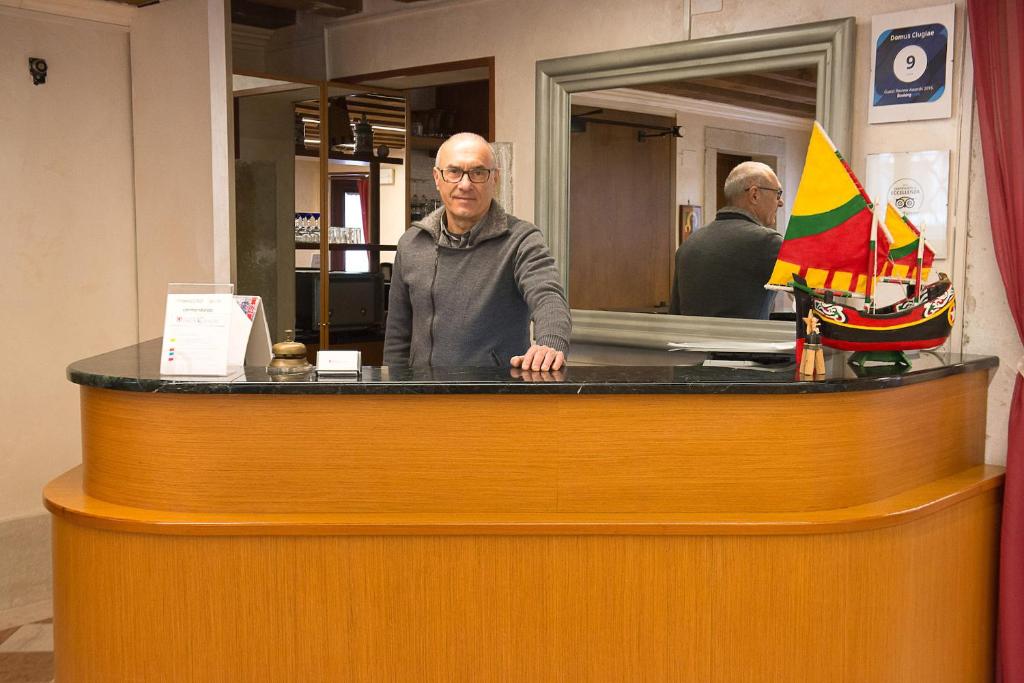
476, 175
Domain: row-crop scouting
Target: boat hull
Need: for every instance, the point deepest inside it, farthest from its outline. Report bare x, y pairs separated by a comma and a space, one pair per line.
904, 326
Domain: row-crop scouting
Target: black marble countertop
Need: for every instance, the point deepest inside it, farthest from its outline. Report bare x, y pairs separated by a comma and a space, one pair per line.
137, 368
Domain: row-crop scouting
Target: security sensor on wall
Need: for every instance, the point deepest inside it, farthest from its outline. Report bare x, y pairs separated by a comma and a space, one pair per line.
37, 67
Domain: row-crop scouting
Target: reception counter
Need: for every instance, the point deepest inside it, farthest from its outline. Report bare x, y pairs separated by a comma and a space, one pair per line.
680, 523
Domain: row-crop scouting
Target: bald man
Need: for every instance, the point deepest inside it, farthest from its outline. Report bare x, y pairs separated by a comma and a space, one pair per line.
722, 268
469, 278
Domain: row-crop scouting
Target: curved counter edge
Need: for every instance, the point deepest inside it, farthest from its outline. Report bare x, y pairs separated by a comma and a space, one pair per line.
64, 497
136, 369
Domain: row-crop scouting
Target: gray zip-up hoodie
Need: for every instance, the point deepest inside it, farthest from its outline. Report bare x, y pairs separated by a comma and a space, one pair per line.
472, 306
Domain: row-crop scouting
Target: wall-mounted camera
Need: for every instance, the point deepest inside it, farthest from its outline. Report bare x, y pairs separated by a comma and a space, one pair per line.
37, 67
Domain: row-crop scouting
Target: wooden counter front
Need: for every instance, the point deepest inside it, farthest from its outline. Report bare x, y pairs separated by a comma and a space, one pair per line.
547, 453
490, 537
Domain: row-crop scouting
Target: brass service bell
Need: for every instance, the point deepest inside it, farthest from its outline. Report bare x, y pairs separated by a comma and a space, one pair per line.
289, 357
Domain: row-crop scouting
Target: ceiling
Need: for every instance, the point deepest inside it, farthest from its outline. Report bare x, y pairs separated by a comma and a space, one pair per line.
408, 82
786, 91
275, 14
783, 91
790, 91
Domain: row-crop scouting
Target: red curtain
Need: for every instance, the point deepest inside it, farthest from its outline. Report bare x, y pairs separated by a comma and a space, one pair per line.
997, 27
363, 185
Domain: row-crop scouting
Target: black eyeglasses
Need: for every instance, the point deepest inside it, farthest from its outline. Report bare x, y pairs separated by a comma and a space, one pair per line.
776, 190
454, 175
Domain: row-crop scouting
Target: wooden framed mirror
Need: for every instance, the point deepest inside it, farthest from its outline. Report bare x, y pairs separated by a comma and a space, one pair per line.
827, 47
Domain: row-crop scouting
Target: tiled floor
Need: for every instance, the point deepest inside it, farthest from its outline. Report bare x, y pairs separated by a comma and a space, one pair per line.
26, 644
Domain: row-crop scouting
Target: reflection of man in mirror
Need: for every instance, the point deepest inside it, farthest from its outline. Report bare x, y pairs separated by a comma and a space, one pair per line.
722, 269
469, 278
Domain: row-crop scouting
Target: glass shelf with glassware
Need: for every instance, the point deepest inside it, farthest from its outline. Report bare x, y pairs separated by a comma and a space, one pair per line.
307, 235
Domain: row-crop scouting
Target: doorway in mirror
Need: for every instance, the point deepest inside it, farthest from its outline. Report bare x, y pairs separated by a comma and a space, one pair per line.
621, 203
624, 198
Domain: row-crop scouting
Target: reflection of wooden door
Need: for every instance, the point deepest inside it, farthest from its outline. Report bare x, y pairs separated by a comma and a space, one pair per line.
622, 214
725, 164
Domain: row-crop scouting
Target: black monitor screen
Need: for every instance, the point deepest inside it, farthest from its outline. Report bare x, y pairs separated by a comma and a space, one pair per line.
356, 300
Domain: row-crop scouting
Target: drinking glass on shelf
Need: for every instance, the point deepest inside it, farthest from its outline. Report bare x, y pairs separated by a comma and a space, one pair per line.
303, 232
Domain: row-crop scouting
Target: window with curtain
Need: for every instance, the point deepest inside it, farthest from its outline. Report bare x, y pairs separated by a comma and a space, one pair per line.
348, 216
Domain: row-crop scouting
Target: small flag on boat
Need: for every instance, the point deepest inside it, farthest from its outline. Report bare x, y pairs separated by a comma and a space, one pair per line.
828, 239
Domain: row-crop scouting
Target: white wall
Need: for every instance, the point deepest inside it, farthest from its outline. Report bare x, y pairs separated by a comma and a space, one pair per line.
307, 185
392, 209
180, 73
131, 127
67, 242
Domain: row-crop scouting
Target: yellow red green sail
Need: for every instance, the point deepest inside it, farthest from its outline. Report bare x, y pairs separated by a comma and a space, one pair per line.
903, 248
828, 239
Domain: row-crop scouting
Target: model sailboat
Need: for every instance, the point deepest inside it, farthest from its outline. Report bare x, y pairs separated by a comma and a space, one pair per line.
837, 245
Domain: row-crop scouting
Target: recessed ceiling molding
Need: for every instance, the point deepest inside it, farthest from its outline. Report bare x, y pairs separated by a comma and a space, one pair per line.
250, 36
426, 7
658, 103
289, 40
477, 73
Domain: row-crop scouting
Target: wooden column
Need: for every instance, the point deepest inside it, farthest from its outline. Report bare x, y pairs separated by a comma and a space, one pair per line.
374, 255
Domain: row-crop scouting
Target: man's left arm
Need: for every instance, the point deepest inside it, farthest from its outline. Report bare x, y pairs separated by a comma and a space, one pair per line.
770, 253
539, 282
766, 266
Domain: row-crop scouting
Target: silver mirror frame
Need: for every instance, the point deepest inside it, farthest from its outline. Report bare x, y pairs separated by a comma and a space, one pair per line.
827, 45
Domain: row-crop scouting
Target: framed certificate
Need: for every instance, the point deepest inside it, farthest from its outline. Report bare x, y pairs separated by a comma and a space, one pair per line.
917, 186
912, 65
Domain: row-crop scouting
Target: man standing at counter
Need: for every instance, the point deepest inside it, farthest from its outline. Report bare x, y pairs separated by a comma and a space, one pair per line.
722, 269
469, 278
